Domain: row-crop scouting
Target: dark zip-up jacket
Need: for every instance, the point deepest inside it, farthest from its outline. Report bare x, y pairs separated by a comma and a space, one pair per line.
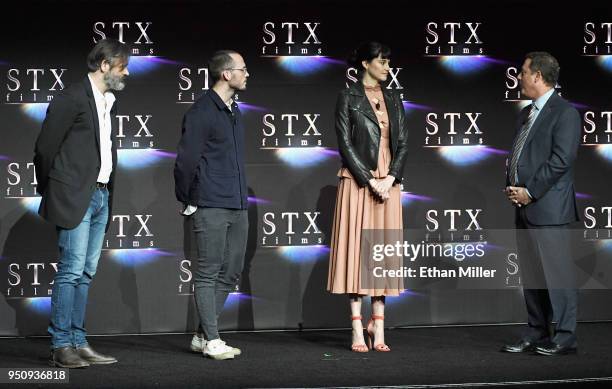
209, 168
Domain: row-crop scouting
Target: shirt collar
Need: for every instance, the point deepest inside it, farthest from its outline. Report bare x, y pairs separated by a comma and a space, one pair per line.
541, 101
107, 96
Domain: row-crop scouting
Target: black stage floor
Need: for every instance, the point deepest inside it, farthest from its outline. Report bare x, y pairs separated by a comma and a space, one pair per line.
419, 356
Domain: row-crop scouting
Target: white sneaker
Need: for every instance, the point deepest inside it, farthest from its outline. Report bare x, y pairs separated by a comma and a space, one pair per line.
198, 344
217, 349
235, 350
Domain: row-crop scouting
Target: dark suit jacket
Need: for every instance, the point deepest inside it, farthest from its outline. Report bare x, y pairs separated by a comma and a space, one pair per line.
67, 156
546, 164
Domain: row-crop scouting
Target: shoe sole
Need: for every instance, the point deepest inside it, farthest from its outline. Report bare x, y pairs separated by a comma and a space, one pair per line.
528, 350
196, 349
57, 364
221, 357
567, 352
103, 363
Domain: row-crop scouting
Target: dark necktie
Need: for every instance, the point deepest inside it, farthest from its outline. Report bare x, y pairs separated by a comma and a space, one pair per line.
519, 142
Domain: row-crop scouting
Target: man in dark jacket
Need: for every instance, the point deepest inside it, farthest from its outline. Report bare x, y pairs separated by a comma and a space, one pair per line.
210, 182
540, 184
75, 161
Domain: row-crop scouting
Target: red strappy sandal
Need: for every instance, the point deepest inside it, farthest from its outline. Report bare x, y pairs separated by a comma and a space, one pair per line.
378, 347
356, 347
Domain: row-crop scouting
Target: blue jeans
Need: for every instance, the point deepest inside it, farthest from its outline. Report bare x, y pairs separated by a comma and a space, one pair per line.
79, 249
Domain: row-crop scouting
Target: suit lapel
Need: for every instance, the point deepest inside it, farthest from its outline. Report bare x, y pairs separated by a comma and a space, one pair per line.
542, 118
94, 111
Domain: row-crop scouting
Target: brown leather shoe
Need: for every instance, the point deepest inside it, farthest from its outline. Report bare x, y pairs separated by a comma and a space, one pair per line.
66, 357
93, 357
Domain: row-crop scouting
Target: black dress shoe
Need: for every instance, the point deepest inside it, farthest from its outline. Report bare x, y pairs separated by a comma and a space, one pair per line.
523, 346
552, 348
67, 357
94, 357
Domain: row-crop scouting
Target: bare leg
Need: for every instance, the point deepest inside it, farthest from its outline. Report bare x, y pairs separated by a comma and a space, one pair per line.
378, 325
355, 303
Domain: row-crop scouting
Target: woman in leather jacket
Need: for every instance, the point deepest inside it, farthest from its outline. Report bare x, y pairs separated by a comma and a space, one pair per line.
372, 136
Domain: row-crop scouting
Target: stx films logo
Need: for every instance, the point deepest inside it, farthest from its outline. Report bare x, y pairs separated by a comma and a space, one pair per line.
19, 183
27, 279
282, 38
27, 85
597, 39
597, 222
453, 39
135, 131
295, 137
20, 179
135, 34
454, 225
130, 232
192, 82
290, 130
453, 129
291, 229
597, 128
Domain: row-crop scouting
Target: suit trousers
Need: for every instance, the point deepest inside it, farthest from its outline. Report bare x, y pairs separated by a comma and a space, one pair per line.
548, 277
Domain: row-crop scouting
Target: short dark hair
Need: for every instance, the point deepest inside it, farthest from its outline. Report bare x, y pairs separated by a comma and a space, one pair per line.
110, 50
221, 60
546, 64
367, 51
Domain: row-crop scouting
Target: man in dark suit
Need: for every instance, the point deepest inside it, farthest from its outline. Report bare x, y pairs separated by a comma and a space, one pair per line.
210, 182
75, 161
539, 183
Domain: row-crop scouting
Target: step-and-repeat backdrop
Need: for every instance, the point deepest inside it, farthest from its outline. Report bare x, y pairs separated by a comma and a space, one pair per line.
455, 67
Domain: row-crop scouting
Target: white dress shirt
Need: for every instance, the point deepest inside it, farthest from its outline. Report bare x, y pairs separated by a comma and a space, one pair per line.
104, 103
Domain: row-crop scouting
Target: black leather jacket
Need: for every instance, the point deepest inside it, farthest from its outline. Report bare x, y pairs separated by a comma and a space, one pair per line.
359, 135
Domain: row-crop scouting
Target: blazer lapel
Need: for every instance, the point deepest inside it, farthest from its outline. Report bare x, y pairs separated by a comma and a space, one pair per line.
542, 118
113, 137
94, 111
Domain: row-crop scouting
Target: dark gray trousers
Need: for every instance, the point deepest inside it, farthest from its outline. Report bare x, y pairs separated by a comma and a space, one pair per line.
221, 238
547, 272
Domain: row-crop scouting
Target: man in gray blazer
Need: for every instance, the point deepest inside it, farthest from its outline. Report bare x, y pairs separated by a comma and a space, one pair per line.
540, 184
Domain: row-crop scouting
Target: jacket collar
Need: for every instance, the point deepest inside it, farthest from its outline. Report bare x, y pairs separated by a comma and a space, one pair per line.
214, 96
357, 89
